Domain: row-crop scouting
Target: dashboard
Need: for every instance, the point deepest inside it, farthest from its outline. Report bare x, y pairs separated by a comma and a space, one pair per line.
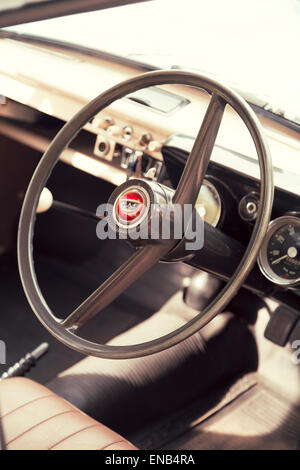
237, 197
151, 133
279, 257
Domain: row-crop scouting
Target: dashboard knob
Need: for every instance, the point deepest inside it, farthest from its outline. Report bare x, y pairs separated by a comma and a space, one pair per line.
115, 131
154, 146
248, 206
145, 139
127, 132
102, 122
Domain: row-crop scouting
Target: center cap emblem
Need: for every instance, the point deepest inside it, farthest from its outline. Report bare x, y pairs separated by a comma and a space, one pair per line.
130, 205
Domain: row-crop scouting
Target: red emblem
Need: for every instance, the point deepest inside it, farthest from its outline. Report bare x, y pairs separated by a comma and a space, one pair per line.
130, 206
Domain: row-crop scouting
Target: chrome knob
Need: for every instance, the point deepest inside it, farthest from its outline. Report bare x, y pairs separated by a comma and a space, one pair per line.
154, 146
115, 131
102, 122
145, 139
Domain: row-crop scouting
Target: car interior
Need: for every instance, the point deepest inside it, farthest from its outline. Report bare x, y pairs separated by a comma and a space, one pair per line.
108, 111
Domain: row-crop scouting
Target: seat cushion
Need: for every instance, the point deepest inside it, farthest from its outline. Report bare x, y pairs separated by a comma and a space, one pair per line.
34, 418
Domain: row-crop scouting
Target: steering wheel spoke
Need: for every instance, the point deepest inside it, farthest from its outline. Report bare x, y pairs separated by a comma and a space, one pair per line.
140, 262
194, 172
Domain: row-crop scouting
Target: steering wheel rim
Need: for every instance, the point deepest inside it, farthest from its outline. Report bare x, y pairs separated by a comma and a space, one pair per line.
220, 94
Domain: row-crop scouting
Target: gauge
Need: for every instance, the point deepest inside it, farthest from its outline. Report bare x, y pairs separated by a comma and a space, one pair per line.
208, 203
279, 256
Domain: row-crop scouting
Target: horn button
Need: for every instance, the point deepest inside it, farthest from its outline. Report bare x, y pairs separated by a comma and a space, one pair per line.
130, 205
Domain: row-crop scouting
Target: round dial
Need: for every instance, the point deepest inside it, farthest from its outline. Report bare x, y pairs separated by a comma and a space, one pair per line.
279, 258
208, 203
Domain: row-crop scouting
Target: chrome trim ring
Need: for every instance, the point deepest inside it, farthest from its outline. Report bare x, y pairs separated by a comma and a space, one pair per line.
263, 261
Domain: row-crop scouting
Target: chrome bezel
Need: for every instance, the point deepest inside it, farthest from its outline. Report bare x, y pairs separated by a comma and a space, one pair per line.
262, 259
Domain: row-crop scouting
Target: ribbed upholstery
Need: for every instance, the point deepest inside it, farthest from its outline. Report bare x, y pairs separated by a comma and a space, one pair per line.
34, 418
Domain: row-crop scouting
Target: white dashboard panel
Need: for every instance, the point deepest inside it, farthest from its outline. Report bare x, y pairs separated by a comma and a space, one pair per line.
59, 83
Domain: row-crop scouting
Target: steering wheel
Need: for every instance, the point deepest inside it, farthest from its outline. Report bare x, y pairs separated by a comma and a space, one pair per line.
145, 256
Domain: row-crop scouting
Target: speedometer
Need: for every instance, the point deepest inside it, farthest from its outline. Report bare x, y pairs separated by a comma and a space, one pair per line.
279, 257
